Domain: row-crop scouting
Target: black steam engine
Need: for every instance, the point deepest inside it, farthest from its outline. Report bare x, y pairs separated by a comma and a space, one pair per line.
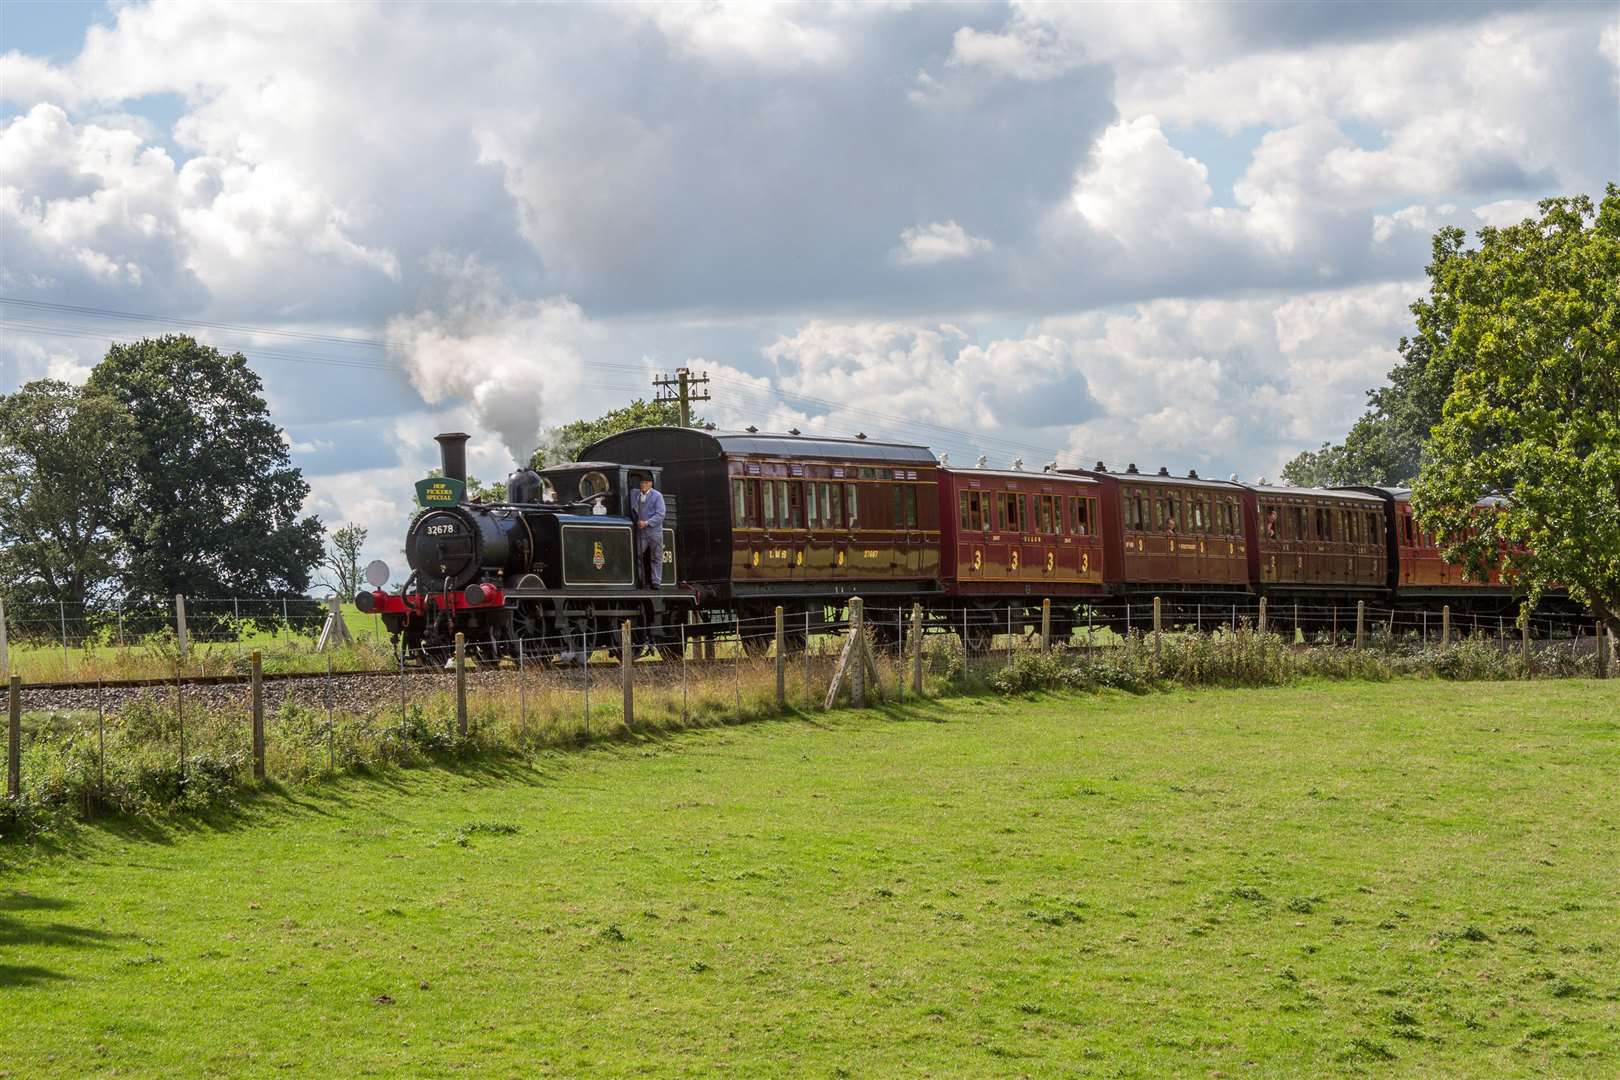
548, 574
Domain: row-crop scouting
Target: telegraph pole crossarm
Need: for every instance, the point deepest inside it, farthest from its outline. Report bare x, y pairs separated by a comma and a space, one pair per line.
679, 388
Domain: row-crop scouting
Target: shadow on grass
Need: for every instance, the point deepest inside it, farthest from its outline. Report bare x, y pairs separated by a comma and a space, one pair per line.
371, 787
18, 932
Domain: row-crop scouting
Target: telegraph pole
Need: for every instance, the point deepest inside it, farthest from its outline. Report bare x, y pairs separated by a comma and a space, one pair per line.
679, 388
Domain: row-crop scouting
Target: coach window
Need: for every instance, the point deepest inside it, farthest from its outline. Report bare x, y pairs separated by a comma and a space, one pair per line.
851, 508
1043, 514
796, 504
769, 507
750, 502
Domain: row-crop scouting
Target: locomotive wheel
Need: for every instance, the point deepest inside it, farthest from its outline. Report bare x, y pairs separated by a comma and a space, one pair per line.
530, 625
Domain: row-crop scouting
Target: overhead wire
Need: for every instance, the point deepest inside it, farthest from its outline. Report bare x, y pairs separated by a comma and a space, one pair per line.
751, 394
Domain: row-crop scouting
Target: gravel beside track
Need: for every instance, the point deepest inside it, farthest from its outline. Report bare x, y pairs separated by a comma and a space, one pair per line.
352, 691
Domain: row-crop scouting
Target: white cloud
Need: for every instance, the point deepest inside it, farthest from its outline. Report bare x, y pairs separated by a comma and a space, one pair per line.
1137, 186
98, 211
940, 241
543, 203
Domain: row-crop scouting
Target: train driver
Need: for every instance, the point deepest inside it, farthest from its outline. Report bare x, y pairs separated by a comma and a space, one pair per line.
647, 508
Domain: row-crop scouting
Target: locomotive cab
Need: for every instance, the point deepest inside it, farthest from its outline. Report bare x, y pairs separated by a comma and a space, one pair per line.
595, 487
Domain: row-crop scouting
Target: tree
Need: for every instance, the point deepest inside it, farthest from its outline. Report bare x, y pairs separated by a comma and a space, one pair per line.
1530, 323
63, 455
343, 559
211, 505
565, 443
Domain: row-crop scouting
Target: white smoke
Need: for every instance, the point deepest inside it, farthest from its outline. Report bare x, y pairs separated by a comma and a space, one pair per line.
505, 357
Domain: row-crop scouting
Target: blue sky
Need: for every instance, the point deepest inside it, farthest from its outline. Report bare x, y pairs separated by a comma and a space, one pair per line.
1180, 234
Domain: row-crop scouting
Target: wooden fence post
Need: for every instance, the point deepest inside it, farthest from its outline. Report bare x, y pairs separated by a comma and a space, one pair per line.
1361, 624
857, 633
781, 660
1158, 629
916, 649
1445, 626
627, 674
180, 624
1262, 624
1524, 640
5, 649
461, 683
258, 716
1046, 625
14, 739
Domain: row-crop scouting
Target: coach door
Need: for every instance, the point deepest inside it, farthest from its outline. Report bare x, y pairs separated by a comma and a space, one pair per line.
1001, 553
972, 511
824, 524
746, 528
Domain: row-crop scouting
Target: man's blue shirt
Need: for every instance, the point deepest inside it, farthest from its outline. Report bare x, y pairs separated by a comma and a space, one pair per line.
648, 508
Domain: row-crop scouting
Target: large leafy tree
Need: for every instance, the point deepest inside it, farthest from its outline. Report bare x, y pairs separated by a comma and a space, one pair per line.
565, 443
64, 453
1529, 322
211, 506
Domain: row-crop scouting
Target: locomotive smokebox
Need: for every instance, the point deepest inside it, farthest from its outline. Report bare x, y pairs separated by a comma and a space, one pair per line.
453, 453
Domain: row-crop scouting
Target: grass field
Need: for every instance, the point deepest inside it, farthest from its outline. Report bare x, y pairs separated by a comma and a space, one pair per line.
1412, 878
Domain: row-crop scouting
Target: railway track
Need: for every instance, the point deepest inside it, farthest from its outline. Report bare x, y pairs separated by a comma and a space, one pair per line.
203, 680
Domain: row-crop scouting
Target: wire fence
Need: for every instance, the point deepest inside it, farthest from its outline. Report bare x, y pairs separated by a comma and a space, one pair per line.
204, 636
118, 745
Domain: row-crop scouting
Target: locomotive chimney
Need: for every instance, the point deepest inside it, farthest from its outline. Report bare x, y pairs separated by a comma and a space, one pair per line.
453, 454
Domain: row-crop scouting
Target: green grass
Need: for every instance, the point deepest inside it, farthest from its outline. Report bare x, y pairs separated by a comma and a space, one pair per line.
1412, 878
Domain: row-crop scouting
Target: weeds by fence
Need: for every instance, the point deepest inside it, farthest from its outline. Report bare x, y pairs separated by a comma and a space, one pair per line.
187, 746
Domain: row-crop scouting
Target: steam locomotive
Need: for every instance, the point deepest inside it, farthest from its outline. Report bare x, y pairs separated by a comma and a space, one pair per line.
759, 522
549, 573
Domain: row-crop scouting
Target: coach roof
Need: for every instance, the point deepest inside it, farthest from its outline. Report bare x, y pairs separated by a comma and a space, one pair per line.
762, 444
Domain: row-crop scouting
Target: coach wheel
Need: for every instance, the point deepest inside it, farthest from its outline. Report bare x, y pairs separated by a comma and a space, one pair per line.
884, 629
982, 625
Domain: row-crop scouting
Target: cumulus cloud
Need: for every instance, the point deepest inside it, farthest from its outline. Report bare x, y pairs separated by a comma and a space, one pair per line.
95, 211
930, 382
938, 242
1014, 224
